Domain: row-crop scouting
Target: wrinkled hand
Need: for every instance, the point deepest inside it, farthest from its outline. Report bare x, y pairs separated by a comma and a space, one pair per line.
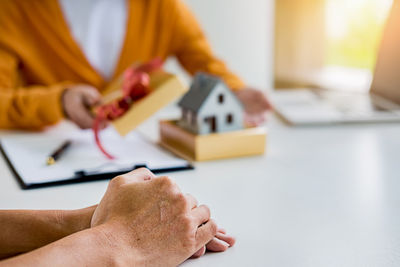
221, 242
256, 106
77, 102
151, 217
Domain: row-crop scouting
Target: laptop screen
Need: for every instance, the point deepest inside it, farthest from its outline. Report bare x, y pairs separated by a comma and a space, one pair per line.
386, 82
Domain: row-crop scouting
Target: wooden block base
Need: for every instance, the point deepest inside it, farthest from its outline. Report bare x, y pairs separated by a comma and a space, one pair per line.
246, 142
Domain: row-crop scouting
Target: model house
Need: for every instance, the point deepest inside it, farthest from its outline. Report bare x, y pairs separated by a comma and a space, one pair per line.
210, 107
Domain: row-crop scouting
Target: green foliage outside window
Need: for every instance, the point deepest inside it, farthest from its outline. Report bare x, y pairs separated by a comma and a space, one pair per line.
354, 30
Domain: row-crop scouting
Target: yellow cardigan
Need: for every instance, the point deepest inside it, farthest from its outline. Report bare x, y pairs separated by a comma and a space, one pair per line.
39, 57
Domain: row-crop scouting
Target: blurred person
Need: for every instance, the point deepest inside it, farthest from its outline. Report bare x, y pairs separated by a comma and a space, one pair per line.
142, 220
56, 56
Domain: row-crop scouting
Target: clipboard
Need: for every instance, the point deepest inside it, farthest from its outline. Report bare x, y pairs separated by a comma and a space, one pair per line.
26, 153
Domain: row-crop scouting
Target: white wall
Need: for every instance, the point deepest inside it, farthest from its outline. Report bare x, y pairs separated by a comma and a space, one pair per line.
241, 33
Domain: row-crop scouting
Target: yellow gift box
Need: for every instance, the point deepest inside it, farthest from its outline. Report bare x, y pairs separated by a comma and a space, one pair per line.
165, 87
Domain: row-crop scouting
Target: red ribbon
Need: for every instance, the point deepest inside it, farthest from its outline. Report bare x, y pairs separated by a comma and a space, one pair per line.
135, 86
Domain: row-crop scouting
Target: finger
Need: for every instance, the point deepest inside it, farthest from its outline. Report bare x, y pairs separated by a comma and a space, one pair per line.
139, 175
91, 96
199, 253
201, 214
82, 117
230, 240
221, 230
259, 101
255, 119
260, 118
206, 233
192, 201
249, 121
216, 245
265, 103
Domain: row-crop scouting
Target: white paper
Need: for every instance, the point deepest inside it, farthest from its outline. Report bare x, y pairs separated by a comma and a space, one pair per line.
28, 153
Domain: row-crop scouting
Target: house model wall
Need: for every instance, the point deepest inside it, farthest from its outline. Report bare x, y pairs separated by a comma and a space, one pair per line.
210, 107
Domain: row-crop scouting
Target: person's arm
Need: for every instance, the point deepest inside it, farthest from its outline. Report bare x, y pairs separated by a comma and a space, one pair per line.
86, 248
195, 54
37, 106
25, 230
142, 220
26, 107
192, 49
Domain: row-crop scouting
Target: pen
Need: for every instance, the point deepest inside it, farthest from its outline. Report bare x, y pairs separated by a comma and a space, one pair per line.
58, 153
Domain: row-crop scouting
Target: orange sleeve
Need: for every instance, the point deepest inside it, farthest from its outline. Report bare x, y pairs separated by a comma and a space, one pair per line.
30, 107
193, 50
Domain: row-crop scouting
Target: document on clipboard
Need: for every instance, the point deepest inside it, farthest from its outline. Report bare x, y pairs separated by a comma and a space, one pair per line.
26, 155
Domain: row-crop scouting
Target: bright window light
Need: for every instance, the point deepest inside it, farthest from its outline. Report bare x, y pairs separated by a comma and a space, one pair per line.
354, 29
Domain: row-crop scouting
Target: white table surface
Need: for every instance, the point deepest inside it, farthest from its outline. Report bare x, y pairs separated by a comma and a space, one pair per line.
321, 196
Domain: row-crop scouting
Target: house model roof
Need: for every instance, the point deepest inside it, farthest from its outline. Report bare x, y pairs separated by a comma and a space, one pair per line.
201, 88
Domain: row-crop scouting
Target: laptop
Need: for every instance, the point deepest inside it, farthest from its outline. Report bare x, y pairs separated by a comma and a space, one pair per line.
380, 104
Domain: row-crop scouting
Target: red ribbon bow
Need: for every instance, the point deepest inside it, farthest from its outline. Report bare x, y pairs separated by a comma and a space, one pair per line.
135, 86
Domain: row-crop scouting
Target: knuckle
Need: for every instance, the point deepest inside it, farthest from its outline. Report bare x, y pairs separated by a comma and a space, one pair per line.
180, 197
166, 182
187, 224
181, 201
207, 210
213, 227
117, 181
186, 221
144, 171
192, 198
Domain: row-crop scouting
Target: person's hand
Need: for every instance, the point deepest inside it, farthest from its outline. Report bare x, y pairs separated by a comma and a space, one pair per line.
150, 222
221, 242
256, 106
77, 102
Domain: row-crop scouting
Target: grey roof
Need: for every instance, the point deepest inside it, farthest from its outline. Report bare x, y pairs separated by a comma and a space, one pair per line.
202, 86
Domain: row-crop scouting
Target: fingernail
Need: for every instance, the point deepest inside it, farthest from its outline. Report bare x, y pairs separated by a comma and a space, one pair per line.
224, 243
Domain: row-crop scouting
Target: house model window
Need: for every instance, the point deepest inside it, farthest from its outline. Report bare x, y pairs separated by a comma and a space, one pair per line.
202, 114
229, 118
221, 99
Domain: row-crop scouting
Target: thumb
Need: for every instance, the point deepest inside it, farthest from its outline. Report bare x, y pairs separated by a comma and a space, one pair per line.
206, 233
91, 96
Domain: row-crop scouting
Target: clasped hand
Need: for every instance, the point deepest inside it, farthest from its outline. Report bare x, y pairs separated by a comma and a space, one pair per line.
149, 219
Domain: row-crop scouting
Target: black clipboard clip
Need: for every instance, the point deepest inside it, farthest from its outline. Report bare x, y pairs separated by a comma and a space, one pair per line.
84, 174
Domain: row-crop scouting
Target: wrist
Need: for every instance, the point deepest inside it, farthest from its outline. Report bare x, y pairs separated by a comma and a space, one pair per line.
76, 220
63, 95
85, 248
113, 238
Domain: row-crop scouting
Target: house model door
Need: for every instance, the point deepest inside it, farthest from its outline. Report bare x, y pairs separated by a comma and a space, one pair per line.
212, 123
